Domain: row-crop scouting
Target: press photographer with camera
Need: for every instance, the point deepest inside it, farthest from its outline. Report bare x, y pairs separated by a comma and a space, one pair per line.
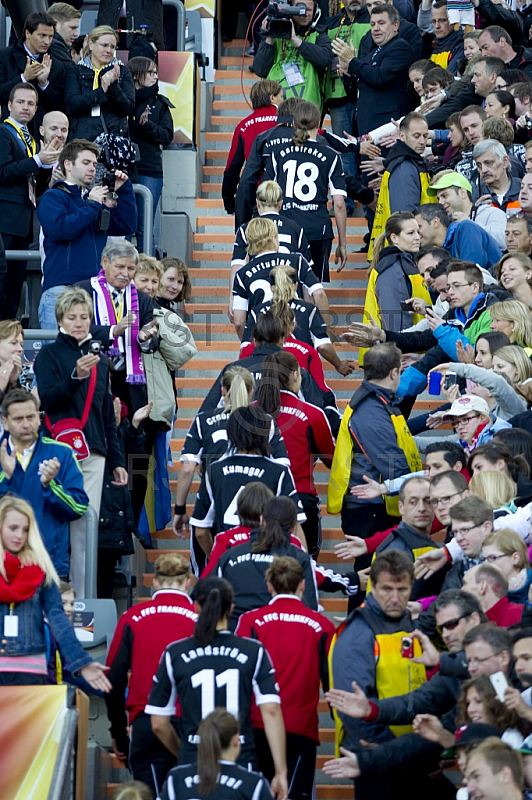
76, 221
295, 49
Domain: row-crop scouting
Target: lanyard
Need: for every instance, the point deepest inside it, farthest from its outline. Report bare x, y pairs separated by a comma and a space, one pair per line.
30, 151
307, 33
344, 20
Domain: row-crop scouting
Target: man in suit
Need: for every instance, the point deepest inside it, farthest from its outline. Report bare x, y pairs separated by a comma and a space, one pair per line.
123, 323
28, 61
382, 74
19, 166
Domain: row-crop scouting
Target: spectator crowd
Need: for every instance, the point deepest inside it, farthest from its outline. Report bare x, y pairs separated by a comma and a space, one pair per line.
418, 113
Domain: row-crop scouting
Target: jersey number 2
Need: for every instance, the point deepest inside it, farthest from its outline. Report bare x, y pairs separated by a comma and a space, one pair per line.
209, 681
304, 188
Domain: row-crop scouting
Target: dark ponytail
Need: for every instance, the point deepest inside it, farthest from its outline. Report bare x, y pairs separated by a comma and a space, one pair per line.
215, 733
280, 518
276, 372
306, 118
215, 596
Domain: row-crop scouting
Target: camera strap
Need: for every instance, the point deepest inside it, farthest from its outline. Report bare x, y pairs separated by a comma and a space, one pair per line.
296, 55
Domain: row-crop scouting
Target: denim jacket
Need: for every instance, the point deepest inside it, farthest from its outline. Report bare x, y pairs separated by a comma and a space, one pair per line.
31, 637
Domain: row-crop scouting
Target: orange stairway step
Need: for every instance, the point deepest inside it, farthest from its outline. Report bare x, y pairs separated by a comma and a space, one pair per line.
351, 274
229, 238
217, 136
225, 255
235, 61
221, 308
239, 105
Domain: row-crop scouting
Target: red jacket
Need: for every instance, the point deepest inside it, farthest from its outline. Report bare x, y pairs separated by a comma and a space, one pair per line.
505, 613
307, 357
262, 119
298, 641
307, 436
142, 634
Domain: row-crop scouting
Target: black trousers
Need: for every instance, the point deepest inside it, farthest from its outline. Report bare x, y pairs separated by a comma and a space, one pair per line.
321, 252
146, 750
13, 277
300, 759
312, 527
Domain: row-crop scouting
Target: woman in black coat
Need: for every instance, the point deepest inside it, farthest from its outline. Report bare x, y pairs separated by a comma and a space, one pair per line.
99, 88
152, 129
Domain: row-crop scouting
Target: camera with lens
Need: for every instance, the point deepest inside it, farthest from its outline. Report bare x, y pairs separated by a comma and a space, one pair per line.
95, 348
279, 19
108, 180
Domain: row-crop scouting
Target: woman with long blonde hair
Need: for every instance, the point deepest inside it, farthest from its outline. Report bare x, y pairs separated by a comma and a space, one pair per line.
29, 591
310, 327
513, 318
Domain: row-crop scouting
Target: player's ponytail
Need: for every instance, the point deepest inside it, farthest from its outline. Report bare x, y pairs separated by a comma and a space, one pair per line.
215, 597
279, 519
277, 371
238, 383
215, 733
306, 118
284, 279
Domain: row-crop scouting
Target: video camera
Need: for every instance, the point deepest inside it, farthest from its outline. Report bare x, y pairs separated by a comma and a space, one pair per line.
279, 19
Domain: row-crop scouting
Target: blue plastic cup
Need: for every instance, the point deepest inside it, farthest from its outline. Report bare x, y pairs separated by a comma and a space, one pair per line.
434, 383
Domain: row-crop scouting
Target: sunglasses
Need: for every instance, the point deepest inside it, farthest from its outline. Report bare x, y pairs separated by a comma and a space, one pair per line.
451, 624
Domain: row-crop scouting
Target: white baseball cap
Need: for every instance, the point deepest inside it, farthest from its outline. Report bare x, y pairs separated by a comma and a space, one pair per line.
467, 403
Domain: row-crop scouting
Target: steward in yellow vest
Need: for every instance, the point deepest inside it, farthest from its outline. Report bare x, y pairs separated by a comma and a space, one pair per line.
373, 440
406, 176
394, 276
367, 649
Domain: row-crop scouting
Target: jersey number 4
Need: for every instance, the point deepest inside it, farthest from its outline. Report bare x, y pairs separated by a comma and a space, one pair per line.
304, 188
209, 682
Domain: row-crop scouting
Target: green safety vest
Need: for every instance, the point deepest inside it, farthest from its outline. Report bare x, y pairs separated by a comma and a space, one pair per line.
342, 28
311, 89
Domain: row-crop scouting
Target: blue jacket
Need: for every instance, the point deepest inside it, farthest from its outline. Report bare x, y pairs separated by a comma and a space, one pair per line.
31, 639
73, 243
55, 505
468, 241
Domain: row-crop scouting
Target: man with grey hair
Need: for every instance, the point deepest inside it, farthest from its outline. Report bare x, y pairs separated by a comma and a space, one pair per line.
497, 186
123, 323
76, 219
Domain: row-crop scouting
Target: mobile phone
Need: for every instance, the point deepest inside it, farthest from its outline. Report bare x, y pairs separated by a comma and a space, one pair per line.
450, 380
499, 683
407, 647
405, 306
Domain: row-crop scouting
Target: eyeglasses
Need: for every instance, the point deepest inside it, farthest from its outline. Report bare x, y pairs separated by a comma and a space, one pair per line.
444, 501
451, 624
477, 661
491, 559
464, 531
456, 286
463, 420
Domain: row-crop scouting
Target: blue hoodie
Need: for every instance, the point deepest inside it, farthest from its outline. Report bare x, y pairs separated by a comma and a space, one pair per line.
72, 242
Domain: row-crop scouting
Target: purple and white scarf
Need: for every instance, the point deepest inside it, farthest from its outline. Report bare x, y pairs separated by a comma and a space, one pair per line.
105, 314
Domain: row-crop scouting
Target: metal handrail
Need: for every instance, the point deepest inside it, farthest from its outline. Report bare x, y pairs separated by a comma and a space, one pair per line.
181, 21
35, 255
62, 769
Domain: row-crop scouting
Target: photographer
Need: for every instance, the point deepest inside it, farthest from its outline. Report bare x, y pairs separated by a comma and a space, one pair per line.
76, 222
298, 61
